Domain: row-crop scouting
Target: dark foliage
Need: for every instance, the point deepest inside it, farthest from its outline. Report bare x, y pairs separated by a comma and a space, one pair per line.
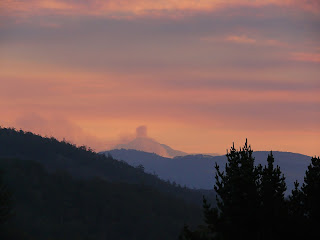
272, 202
57, 206
310, 191
252, 205
6, 202
237, 187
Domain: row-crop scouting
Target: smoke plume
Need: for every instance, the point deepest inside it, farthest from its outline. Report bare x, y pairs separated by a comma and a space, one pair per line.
141, 132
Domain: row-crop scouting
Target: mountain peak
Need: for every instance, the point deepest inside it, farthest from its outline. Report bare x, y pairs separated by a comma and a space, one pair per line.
146, 144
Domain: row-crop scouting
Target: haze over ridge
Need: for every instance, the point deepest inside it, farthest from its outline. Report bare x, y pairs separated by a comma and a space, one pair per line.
143, 142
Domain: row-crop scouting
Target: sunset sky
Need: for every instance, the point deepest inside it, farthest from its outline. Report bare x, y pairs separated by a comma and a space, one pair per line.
200, 74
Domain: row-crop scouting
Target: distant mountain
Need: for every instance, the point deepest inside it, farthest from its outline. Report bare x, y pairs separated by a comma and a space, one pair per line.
82, 163
62, 192
197, 171
149, 145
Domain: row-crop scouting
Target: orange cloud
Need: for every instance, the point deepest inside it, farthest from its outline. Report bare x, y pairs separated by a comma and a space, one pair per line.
127, 8
241, 39
306, 57
245, 39
91, 112
55, 5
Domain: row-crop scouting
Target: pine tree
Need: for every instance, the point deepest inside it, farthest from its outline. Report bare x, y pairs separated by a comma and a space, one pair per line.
204, 232
295, 203
296, 213
237, 194
273, 207
311, 195
311, 189
211, 217
251, 202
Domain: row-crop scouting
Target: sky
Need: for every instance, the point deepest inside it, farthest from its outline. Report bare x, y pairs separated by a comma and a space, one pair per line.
199, 74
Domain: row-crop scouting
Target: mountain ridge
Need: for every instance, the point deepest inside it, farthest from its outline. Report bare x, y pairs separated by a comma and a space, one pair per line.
150, 145
197, 171
83, 163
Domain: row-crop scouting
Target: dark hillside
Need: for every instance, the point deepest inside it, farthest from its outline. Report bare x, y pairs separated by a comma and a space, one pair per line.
83, 163
57, 206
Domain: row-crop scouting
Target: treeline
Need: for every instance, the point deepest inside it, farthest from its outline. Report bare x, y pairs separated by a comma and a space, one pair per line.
56, 206
251, 202
83, 163
56, 190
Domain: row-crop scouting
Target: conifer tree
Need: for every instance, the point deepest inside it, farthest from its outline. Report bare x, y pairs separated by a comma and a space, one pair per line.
251, 202
295, 204
311, 189
296, 213
273, 210
238, 195
311, 195
204, 232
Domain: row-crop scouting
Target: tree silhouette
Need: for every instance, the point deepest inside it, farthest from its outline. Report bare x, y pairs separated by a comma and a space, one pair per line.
251, 202
311, 189
296, 223
311, 196
236, 215
204, 232
238, 195
295, 206
273, 209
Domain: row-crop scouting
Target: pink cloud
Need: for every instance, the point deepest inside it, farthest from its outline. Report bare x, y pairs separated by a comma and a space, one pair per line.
126, 8
247, 39
306, 57
243, 39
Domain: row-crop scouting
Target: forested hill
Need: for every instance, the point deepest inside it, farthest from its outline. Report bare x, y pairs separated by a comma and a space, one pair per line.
57, 206
83, 163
